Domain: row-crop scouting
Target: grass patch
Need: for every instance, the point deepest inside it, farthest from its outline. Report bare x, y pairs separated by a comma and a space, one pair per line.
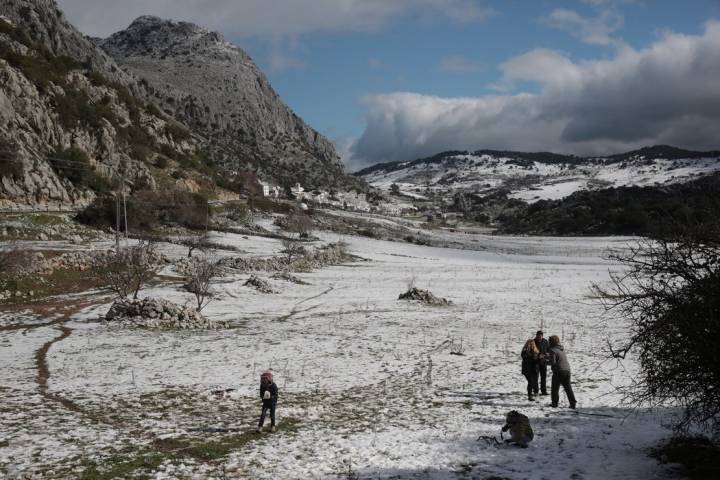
60, 282
44, 219
123, 466
215, 449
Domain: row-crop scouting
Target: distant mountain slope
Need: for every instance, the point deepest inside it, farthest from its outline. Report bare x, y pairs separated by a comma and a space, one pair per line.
655, 211
539, 176
215, 88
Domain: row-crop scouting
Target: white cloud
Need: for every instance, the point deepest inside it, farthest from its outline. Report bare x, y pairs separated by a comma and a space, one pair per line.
665, 93
267, 17
594, 30
279, 62
375, 63
459, 64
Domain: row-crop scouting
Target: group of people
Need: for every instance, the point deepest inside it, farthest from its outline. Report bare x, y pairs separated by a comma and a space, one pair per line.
537, 354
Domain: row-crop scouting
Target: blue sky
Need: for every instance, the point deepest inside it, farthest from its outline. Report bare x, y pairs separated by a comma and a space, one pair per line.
398, 79
335, 70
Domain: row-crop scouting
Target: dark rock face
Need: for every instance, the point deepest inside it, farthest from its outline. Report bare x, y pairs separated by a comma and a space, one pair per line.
215, 88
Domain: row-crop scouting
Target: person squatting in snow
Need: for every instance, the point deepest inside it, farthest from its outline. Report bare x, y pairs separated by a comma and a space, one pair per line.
269, 397
521, 432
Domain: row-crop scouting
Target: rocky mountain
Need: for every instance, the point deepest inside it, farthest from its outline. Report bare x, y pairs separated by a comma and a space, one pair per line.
186, 111
44, 23
215, 88
71, 126
538, 176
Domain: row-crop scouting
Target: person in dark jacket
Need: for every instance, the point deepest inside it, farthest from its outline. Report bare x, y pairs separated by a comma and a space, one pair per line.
530, 358
561, 373
521, 433
269, 397
543, 346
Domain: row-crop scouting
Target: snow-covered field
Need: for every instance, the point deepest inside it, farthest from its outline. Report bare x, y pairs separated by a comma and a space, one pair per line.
370, 386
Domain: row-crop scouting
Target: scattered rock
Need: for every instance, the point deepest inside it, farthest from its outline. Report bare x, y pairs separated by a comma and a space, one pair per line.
160, 314
332, 254
423, 296
290, 278
259, 284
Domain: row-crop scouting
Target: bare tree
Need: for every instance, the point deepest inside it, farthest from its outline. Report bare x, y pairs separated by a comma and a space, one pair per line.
199, 278
292, 249
301, 224
196, 242
669, 295
126, 271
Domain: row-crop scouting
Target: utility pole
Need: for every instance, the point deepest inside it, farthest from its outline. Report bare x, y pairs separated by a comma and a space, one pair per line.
125, 216
207, 217
117, 223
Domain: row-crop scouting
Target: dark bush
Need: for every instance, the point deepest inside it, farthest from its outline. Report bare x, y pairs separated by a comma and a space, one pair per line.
10, 165
43, 67
619, 211
74, 165
75, 109
147, 210
176, 131
669, 293
161, 162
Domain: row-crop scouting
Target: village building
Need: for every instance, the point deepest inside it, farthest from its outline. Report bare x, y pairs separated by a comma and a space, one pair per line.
298, 192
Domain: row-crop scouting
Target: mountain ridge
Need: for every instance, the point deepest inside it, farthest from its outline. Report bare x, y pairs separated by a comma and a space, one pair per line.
215, 87
656, 151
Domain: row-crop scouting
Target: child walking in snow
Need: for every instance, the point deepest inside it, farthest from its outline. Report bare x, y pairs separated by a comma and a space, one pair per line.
269, 396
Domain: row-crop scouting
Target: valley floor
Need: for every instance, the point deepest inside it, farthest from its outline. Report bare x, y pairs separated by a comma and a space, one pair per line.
370, 387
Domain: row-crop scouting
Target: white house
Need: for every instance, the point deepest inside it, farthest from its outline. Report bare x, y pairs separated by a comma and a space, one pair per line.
266, 189
298, 192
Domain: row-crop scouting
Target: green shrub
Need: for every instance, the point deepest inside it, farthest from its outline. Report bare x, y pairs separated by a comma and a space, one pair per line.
43, 67
75, 109
10, 165
147, 210
74, 165
176, 131
161, 162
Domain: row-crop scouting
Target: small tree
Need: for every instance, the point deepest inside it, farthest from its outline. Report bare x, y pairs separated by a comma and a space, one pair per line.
395, 189
128, 270
196, 242
292, 248
301, 224
669, 292
200, 276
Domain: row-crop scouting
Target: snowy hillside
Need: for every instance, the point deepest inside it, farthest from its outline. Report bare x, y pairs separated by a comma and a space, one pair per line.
549, 177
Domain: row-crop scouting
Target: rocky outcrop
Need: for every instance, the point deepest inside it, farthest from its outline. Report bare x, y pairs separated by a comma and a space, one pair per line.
424, 296
158, 314
216, 88
45, 23
70, 126
258, 284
